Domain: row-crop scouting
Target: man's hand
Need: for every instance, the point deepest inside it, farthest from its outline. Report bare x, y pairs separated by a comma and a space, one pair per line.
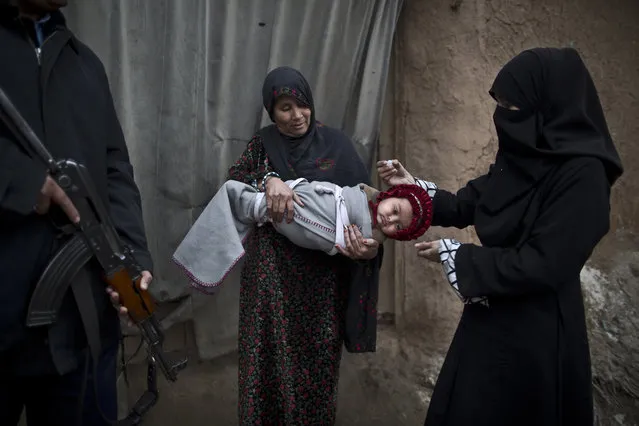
358, 247
115, 297
393, 173
429, 250
51, 192
279, 198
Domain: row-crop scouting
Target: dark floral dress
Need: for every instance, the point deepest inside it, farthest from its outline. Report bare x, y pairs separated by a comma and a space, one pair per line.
291, 322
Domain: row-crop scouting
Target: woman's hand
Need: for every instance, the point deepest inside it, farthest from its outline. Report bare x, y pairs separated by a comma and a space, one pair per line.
115, 297
429, 250
279, 199
358, 247
393, 173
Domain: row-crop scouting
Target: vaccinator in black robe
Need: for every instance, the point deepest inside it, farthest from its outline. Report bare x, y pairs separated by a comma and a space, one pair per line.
522, 358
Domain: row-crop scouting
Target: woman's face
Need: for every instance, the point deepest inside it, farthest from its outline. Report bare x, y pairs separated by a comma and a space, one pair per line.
291, 118
394, 214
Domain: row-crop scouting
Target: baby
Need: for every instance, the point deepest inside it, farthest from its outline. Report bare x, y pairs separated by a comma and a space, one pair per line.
214, 244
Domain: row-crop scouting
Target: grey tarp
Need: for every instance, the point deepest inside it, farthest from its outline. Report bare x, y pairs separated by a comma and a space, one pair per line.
186, 77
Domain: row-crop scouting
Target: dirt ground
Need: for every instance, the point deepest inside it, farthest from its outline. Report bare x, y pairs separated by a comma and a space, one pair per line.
206, 394
375, 390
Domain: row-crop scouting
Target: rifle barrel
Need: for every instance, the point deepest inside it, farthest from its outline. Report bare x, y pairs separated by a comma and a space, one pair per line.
12, 118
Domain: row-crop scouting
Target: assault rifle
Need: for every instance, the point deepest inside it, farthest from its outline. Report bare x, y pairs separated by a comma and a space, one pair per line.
94, 237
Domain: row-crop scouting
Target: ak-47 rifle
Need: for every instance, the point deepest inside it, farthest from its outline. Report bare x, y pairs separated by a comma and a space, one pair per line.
94, 237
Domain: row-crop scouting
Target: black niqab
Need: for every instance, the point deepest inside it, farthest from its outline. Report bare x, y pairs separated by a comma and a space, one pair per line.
559, 117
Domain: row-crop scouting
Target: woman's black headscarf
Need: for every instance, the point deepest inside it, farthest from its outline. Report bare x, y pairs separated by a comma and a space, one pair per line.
324, 154
559, 117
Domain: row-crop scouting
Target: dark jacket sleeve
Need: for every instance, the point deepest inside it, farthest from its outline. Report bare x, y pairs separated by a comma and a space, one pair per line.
124, 197
572, 220
21, 178
458, 209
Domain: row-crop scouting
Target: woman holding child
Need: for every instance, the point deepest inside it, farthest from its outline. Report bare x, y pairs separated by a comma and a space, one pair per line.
298, 306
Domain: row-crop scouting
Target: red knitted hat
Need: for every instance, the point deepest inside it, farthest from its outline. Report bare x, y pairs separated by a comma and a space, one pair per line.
422, 206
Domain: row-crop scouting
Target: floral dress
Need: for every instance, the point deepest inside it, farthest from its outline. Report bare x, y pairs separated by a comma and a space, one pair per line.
291, 322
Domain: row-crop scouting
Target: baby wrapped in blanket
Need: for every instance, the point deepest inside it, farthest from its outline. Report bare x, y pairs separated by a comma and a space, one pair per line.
215, 243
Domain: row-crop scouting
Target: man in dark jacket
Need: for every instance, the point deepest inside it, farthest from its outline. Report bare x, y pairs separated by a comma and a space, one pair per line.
60, 87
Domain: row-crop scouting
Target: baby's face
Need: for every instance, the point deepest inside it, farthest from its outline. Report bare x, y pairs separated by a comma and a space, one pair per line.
394, 214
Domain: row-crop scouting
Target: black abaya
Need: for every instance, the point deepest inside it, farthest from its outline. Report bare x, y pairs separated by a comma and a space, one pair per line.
523, 358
